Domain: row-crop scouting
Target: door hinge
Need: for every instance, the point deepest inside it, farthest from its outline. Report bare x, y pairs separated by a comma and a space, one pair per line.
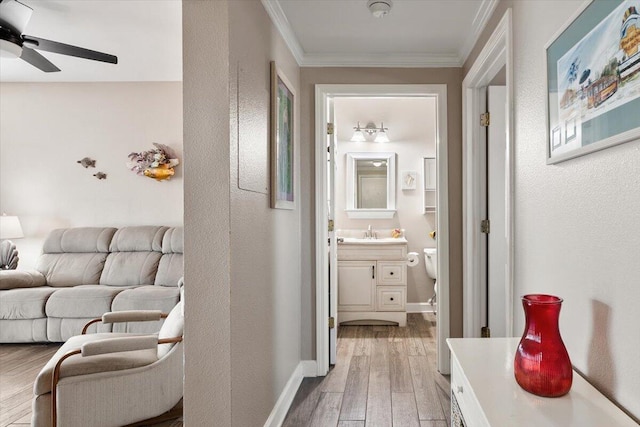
330, 128
485, 332
330, 227
485, 119
332, 322
485, 226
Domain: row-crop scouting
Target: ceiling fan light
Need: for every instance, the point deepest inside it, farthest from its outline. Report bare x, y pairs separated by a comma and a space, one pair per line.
10, 50
379, 8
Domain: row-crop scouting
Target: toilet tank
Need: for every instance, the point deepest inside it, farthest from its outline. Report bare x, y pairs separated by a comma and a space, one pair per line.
431, 262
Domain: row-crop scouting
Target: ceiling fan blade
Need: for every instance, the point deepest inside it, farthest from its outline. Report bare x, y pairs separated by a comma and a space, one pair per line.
67, 49
14, 15
37, 60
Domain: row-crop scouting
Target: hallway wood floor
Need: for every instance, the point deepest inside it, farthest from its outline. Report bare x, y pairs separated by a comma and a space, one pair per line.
384, 376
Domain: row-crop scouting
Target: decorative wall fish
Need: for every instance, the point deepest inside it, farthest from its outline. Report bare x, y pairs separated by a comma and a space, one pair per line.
100, 175
87, 162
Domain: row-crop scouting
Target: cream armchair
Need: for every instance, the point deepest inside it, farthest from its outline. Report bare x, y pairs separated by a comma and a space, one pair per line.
112, 379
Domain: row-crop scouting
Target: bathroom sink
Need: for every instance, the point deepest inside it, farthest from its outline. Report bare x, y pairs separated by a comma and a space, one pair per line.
381, 241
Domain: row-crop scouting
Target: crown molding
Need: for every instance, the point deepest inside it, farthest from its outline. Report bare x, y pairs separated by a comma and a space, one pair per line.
279, 19
381, 60
487, 7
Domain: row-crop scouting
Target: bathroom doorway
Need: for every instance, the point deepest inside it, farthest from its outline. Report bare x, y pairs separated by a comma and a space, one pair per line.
328, 197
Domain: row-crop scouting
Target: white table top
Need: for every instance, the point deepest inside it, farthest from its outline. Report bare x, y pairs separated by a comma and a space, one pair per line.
487, 363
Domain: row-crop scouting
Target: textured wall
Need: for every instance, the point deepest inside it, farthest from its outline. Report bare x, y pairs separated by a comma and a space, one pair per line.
265, 242
46, 127
309, 77
576, 222
207, 395
412, 131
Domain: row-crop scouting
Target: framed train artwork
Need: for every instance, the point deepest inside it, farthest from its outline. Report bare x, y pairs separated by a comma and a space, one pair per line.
593, 80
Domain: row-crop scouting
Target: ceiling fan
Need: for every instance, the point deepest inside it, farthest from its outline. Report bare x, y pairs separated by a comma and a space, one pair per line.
14, 17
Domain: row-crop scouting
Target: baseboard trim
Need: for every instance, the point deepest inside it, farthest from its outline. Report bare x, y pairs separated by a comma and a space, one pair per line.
421, 307
309, 368
306, 368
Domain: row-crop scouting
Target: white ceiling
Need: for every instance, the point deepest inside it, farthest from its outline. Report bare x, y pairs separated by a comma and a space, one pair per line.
429, 33
145, 35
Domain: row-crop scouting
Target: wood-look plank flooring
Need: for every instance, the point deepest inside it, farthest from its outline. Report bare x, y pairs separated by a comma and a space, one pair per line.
385, 376
19, 366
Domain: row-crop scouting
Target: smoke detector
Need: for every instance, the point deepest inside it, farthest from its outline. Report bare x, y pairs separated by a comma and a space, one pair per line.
379, 8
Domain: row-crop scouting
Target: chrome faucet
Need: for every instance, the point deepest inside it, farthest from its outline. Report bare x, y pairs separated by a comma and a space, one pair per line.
370, 234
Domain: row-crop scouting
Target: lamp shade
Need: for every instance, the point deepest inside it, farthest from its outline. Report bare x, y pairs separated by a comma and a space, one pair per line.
10, 227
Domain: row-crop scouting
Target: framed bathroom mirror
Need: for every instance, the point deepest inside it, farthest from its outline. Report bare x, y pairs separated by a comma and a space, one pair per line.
371, 185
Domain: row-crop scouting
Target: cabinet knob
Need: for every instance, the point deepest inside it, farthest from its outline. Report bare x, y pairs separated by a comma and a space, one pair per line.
391, 273
460, 389
391, 298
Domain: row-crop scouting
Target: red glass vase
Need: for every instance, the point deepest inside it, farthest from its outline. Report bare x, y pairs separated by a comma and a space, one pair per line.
542, 365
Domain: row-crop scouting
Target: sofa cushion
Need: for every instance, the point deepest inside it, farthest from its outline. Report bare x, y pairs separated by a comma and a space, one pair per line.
170, 268
23, 330
12, 279
79, 240
75, 256
144, 298
85, 301
77, 365
144, 238
134, 258
71, 269
173, 327
28, 303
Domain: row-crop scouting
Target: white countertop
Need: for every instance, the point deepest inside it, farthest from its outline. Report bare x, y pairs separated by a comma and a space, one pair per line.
487, 363
381, 241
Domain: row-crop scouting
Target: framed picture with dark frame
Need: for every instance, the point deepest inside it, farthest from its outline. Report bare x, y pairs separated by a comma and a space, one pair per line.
593, 80
282, 141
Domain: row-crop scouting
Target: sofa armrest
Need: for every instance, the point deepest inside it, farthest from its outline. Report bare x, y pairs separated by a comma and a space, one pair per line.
13, 279
132, 316
121, 344
127, 316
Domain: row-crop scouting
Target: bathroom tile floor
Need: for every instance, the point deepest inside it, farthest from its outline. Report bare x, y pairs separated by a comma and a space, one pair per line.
384, 376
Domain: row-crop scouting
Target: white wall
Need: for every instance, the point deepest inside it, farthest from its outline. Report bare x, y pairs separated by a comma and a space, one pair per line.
46, 127
576, 222
412, 131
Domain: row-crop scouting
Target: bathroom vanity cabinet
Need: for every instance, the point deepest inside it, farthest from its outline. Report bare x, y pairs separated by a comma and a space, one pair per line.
372, 282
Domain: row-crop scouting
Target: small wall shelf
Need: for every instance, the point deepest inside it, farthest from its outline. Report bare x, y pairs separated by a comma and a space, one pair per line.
430, 188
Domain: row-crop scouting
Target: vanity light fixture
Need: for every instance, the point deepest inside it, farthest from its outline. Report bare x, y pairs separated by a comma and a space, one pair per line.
358, 136
382, 134
370, 129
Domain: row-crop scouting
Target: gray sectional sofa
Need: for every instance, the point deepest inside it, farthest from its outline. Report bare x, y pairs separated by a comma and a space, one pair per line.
85, 272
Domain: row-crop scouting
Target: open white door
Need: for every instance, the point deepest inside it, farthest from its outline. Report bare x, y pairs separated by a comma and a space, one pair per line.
496, 203
333, 244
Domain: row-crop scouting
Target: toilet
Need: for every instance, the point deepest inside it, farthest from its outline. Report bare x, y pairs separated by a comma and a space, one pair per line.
431, 265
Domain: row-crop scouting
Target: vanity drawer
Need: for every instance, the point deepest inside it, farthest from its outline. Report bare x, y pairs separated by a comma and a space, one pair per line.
392, 273
390, 298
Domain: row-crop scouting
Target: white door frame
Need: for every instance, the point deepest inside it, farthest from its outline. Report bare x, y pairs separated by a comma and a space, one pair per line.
322, 92
495, 55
